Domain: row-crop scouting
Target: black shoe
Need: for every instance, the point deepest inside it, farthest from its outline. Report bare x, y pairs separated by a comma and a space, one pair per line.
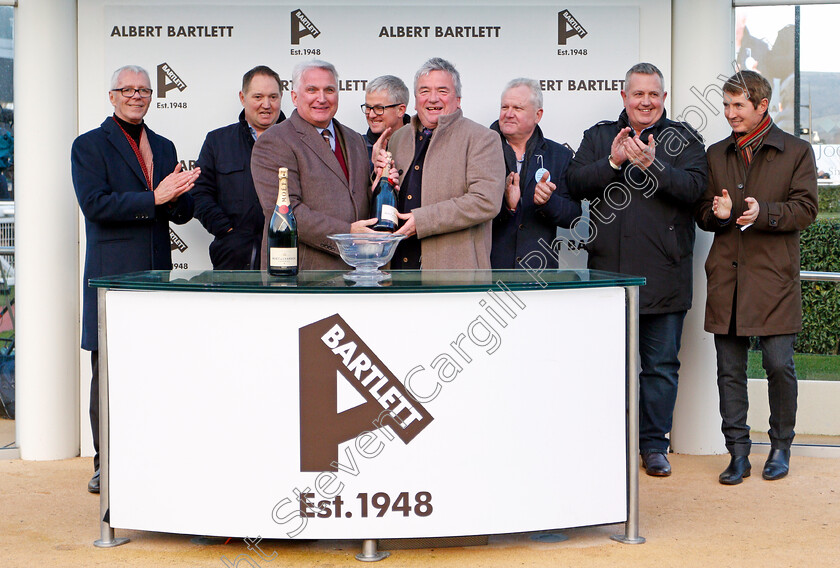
656, 464
93, 484
739, 468
777, 464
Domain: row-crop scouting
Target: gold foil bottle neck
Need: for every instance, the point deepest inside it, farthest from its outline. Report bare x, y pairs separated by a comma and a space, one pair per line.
283, 189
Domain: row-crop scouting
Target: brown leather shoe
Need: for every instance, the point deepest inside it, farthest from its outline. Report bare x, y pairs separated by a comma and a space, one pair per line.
656, 464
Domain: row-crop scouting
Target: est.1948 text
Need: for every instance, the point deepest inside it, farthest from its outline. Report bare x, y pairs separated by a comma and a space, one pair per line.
379, 504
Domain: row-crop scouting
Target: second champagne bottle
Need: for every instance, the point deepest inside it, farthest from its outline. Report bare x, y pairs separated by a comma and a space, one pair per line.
384, 201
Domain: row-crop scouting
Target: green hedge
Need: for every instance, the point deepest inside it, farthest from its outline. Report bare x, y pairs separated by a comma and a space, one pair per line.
829, 196
820, 246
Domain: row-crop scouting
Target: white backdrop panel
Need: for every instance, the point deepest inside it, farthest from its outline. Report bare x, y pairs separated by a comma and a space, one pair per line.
619, 33
581, 76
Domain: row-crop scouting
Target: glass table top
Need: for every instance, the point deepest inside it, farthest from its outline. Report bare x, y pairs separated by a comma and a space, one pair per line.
334, 281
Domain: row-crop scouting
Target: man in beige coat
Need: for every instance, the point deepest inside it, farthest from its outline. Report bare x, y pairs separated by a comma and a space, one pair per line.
762, 192
452, 177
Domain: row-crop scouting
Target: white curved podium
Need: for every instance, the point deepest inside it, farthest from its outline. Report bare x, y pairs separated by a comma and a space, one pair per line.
437, 403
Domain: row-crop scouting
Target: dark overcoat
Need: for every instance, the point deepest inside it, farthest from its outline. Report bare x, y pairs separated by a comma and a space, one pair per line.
517, 235
760, 263
642, 220
124, 229
225, 200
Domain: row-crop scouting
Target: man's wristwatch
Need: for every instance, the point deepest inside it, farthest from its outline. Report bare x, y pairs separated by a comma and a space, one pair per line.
612, 164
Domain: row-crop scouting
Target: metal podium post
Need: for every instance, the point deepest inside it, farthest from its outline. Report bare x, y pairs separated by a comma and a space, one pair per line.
631, 527
106, 533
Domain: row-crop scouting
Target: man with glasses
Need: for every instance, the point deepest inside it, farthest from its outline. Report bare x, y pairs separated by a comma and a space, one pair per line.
129, 185
328, 167
225, 200
386, 99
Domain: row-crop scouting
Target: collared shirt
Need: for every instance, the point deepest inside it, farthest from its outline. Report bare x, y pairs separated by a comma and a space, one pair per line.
331, 128
252, 131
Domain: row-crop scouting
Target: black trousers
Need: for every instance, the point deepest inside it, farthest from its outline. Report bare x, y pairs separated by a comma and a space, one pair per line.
777, 360
94, 405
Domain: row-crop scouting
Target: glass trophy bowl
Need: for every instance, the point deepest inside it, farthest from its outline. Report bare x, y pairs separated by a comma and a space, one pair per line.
366, 252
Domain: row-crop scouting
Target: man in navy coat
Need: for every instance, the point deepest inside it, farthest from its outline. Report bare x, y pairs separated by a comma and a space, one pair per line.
225, 200
536, 197
129, 185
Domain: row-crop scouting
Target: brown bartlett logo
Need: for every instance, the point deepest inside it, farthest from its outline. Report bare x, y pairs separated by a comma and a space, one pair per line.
330, 351
168, 79
176, 242
568, 26
302, 26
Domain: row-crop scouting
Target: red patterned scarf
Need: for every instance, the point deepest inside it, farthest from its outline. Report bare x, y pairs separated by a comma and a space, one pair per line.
146, 171
750, 142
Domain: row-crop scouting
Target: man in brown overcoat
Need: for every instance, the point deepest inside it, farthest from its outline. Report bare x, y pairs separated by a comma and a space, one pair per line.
762, 192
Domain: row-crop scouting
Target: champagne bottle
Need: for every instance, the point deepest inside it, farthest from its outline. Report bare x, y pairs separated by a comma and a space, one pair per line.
384, 201
282, 233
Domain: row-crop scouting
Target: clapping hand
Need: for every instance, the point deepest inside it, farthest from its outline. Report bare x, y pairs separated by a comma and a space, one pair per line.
175, 184
512, 191
722, 206
543, 190
639, 153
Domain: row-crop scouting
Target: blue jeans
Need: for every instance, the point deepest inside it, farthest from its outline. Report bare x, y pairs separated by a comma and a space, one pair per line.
777, 360
659, 347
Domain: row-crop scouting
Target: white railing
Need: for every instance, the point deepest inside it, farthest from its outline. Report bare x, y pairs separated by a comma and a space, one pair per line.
7, 240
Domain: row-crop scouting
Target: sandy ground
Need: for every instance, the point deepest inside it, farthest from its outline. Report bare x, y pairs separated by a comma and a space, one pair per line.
47, 518
7, 432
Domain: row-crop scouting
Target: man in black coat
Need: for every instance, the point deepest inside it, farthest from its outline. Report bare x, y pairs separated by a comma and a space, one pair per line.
536, 197
225, 200
642, 175
129, 185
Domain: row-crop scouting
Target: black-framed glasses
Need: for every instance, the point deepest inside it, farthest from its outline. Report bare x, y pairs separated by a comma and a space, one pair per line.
378, 110
128, 92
